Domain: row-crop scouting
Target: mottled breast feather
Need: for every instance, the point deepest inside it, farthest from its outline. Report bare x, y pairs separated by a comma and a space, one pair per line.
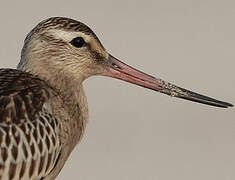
29, 142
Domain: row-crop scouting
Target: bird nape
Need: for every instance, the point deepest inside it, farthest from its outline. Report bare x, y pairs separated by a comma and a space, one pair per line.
43, 107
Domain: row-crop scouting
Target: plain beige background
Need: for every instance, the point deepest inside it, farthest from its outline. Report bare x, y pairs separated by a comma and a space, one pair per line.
135, 133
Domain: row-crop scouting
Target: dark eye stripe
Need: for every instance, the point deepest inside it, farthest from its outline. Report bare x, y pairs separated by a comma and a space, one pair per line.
78, 42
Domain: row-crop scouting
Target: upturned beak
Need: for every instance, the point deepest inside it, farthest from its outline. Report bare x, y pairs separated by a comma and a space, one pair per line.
117, 69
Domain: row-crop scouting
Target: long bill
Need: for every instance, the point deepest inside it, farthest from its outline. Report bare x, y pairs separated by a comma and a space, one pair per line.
117, 69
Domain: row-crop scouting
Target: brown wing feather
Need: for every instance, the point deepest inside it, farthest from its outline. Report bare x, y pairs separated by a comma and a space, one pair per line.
29, 142
21, 96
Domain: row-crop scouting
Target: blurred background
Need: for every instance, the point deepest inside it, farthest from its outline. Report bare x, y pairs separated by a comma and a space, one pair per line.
134, 133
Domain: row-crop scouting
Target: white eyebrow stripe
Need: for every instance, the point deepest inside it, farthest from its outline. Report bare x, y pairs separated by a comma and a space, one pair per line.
68, 36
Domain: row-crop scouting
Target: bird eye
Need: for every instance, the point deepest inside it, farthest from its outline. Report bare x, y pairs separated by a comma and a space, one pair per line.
78, 42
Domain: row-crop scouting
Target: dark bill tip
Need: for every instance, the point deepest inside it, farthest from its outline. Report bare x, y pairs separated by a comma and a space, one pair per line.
195, 97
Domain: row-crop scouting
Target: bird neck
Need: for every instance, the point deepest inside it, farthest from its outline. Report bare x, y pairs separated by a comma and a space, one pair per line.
74, 101
67, 85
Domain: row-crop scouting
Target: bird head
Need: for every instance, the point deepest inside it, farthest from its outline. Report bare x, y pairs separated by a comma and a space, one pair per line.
66, 47
63, 45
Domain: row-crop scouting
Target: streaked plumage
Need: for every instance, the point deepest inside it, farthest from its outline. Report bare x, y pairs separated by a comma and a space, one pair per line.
43, 108
29, 134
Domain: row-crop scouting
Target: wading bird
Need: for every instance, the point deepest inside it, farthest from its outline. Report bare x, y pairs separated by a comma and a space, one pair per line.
43, 107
